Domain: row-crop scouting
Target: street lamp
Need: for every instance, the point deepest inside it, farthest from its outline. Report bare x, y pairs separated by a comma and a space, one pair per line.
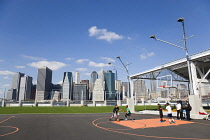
125, 69
184, 48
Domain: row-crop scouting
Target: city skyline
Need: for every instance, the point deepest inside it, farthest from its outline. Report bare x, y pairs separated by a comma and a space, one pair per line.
84, 36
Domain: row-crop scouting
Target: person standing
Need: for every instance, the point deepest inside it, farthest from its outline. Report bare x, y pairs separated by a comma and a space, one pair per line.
178, 109
188, 108
181, 111
160, 112
170, 118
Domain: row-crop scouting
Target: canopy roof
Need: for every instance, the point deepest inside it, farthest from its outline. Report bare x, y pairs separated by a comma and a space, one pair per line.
178, 67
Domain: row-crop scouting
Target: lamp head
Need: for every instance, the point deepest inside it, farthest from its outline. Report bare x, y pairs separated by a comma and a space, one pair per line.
181, 19
118, 57
153, 36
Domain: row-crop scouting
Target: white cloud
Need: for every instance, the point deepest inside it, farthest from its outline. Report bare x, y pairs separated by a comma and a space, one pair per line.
1, 60
20, 67
6, 73
7, 85
146, 55
53, 65
108, 59
88, 74
81, 69
93, 64
130, 38
6, 77
34, 58
69, 58
81, 61
104, 34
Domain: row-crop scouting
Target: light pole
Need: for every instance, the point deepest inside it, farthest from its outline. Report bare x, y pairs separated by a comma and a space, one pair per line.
186, 52
125, 69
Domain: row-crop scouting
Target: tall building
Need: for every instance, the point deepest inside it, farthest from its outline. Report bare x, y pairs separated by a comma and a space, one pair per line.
110, 91
56, 92
125, 89
153, 84
77, 78
44, 83
11, 94
118, 88
93, 78
80, 92
118, 85
87, 83
33, 92
67, 85
139, 89
25, 88
98, 90
16, 84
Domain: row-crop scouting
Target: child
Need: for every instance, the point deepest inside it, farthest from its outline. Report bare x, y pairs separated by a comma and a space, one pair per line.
115, 112
171, 120
128, 113
160, 112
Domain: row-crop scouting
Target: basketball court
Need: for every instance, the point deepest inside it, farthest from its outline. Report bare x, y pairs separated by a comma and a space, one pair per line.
98, 126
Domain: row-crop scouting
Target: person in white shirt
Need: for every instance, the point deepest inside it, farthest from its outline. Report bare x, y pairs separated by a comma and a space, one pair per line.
170, 119
178, 109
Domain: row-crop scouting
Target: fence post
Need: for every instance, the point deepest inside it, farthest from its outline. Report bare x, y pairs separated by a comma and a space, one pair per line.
35, 103
67, 103
20, 103
3, 103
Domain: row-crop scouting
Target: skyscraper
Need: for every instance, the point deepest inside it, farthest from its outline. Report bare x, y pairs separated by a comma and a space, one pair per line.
16, 84
11, 94
80, 92
44, 83
118, 88
67, 85
125, 89
110, 91
25, 88
139, 88
98, 90
77, 78
93, 78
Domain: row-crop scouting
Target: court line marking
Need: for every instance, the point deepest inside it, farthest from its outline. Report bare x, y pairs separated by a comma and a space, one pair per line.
7, 119
112, 130
16, 129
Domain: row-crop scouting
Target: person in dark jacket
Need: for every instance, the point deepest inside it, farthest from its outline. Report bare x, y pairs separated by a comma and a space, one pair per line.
160, 109
181, 111
188, 108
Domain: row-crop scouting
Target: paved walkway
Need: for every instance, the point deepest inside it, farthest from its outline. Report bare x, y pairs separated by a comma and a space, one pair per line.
98, 126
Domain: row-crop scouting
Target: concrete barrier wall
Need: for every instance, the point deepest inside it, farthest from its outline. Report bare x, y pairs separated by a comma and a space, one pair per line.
12, 104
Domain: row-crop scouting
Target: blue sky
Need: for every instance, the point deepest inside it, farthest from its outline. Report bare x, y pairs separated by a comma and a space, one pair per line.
81, 35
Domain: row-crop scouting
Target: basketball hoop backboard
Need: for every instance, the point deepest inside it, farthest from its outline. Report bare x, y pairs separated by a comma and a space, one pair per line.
164, 81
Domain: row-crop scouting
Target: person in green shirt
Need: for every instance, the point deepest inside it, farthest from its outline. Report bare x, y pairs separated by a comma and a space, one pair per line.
128, 113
